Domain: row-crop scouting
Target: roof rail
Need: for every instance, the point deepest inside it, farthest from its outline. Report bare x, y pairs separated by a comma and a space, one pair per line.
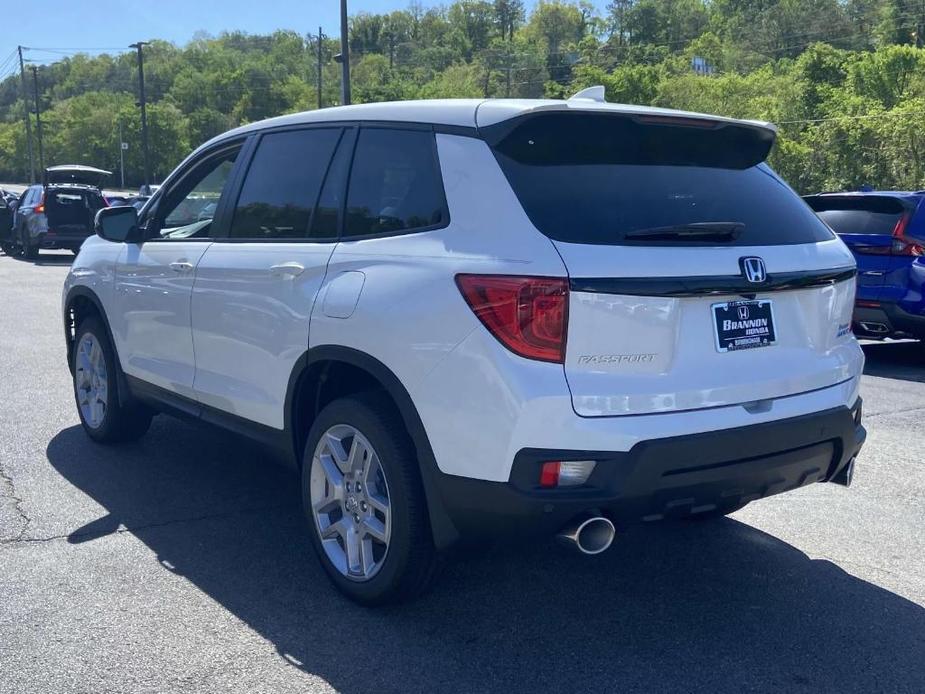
595, 93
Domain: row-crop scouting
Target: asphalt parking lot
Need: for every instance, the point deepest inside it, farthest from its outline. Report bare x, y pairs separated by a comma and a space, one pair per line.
178, 564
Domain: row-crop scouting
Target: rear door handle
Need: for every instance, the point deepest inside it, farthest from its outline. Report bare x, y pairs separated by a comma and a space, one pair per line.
291, 269
181, 266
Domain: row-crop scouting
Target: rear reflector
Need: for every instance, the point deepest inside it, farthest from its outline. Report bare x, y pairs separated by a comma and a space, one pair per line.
528, 315
566, 473
867, 304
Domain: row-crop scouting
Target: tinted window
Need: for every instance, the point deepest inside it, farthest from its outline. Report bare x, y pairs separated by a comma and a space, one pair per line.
327, 213
858, 215
592, 179
282, 184
394, 183
188, 208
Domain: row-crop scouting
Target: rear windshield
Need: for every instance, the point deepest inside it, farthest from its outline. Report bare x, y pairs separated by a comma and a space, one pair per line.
71, 198
858, 215
593, 179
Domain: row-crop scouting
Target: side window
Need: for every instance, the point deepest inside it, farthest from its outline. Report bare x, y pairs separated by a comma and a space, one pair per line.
283, 183
325, 223
395, 183
187, 208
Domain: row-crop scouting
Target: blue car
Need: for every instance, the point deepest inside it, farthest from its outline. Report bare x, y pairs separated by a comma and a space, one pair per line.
886, 232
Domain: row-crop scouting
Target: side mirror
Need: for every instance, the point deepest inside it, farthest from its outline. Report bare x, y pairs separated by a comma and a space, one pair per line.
119, 224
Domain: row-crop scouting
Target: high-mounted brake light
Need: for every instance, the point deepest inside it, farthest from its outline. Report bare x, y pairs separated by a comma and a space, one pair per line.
528, 315
903, 245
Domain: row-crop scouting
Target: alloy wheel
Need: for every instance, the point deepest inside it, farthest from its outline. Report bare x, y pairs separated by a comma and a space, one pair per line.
350, 502
91, 381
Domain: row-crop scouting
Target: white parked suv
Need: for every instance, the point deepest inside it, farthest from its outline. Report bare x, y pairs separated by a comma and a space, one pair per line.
472, 319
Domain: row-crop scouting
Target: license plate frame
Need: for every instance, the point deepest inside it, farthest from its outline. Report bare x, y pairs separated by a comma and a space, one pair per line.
739, 338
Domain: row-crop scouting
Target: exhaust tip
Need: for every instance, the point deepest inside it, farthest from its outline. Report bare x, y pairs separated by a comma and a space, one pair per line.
874, 328
589, 536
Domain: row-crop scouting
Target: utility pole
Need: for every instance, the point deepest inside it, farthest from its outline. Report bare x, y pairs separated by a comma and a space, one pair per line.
344, 56
391, 49
121, 156
25, 103
144, 113
38, 115
320, 43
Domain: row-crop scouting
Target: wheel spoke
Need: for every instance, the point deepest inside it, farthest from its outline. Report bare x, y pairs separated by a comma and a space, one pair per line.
332, 473
367, 560
336, 447
354, 554
355, 458
334, 530
379, 503
375, 529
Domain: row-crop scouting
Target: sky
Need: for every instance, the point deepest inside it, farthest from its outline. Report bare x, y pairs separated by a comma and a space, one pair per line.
113, 24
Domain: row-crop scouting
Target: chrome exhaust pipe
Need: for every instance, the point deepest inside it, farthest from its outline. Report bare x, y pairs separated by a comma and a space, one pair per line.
874, 328
589, 535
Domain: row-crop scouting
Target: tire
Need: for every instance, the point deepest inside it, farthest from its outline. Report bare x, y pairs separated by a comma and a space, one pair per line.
29, 251
403, 566
96, 391
8, 248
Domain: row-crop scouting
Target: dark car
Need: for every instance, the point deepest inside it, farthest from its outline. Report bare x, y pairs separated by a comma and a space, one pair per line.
886, 232
57, 213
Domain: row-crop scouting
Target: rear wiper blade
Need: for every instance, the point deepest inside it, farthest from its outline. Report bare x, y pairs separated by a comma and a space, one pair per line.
695, 231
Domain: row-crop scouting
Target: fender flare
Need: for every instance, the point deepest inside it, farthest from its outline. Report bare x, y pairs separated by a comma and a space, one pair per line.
84, 292
444, 531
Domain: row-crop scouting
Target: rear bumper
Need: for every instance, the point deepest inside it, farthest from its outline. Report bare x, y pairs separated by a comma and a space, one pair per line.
662, 478
53, 239
887, 320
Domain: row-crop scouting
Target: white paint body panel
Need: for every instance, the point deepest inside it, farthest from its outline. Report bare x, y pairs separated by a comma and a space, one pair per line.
250, 324
150, 313
666, 348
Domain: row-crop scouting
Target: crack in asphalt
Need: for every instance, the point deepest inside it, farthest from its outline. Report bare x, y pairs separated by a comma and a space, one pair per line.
17, 506
20, 540
893, 412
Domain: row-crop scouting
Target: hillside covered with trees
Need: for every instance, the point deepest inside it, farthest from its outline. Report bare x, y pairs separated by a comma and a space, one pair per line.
843, 79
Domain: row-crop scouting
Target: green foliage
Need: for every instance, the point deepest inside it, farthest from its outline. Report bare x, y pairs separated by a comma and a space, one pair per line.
843, 79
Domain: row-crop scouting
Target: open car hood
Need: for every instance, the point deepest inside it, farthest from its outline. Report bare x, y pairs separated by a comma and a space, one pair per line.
76, 173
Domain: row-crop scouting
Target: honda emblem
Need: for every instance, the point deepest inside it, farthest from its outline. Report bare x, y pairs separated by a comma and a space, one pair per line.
743, 312
753, 269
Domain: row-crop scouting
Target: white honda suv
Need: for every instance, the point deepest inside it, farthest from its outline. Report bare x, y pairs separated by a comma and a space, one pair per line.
471, 319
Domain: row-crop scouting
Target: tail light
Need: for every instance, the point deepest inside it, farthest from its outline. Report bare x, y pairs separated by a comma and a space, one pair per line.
40, 208
902, 245
528, 315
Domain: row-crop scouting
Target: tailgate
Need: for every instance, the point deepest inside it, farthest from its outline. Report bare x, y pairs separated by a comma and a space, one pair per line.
643, 345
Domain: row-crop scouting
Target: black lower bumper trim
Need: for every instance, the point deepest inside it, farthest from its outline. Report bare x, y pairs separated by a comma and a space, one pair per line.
897, 322
661, 478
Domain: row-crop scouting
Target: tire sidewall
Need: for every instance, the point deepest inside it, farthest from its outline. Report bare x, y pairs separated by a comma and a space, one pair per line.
393, 450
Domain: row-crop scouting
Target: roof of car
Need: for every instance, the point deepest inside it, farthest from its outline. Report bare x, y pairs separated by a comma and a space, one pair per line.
470, 113
863, 193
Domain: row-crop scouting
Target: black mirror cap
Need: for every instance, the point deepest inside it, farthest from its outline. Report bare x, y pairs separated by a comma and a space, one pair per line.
119, 224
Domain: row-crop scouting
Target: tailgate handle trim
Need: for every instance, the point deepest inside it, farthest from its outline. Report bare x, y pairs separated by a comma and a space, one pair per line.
708, 285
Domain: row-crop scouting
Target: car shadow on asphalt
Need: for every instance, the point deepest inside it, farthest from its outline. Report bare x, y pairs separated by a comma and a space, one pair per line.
46, 259
714, 606
904, 360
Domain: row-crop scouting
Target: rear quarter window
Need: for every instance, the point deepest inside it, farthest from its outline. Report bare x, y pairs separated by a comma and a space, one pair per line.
592, 179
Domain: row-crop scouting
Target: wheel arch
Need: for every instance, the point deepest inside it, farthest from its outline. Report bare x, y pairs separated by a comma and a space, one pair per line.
309, 391
80, 303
